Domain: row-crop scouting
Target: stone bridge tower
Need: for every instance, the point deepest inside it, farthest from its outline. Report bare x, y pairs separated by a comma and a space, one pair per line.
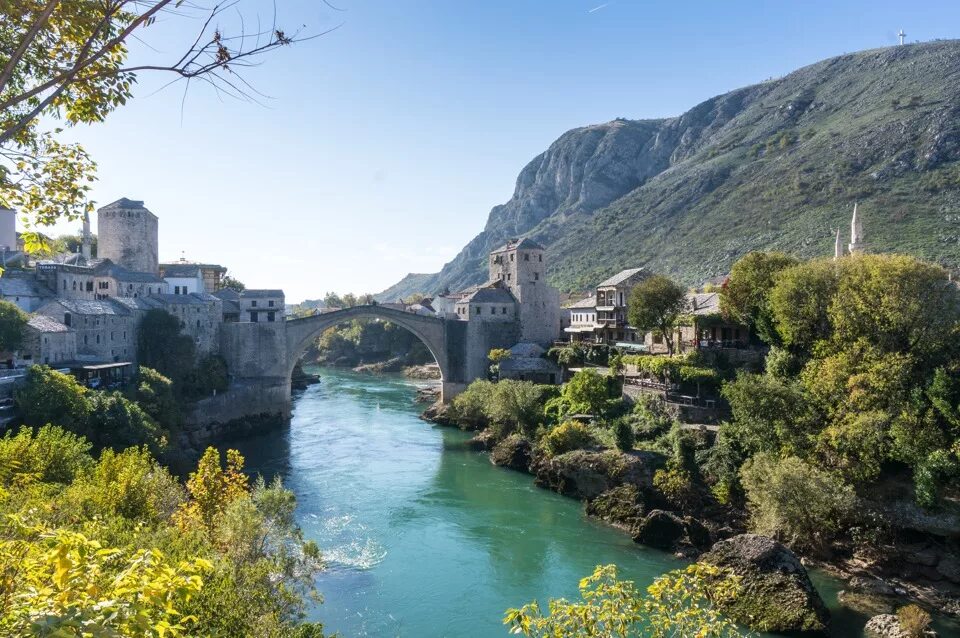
127, 236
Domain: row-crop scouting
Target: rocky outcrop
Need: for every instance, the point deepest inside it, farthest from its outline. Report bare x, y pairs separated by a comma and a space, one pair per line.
620, 506
438, 413
483, 441
513, 452
777, 595
884, 626
660, 529
380, 367
586, 474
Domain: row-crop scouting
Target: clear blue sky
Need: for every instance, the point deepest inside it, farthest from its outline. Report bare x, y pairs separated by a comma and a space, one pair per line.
385, 143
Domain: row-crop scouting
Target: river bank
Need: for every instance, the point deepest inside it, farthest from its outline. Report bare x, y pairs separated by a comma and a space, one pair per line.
618, 488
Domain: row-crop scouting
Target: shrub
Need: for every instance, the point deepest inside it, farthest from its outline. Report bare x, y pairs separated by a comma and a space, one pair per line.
155, 395
568, 436
914, 621
676, 485
623, 434
794, 501
651, 418
49, 396
115, 421
12, 322
514, 405
50, 455
470, 405
585, 392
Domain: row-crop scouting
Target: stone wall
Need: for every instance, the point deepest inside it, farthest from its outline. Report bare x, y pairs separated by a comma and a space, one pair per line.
248, 406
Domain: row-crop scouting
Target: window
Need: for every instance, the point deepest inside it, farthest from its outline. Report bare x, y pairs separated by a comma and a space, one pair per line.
89, 286
477, 310
504, 311
84, 339
253, 304
536, 276
511, 256
271, 316
270, 303
67, 318
198, 323
98, 339
74, 284
540, 257
526, 256
254, 316
111, 336
508, 276
493, 310
64, 284
176, 290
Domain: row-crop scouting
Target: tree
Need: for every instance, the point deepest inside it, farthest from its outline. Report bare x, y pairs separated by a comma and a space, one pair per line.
744, 297
794, 501
231, 283
515, 405
12, 323
116, 422
155, 395
66, 60
161, 345
212, 488
585, 393
49, 396
656, 304
680, 604
495, 357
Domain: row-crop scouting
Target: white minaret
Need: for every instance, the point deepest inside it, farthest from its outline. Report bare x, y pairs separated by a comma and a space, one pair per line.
85, 249
856, 232
837, 247
901, 35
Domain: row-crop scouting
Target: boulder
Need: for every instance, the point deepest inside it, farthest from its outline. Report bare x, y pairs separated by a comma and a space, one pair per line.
483, 441
660, 529
586, 474
438, 413
777, 595
621, 506
697, 533
513, 452
884, 626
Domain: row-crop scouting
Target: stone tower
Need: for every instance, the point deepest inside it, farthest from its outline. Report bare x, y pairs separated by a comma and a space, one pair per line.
520, 266
8, 229
856, 232
86, 250
127, 235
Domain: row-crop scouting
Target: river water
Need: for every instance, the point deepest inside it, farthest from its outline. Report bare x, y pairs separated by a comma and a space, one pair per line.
423, 537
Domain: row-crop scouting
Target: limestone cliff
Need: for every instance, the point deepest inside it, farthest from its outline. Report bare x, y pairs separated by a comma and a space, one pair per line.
775, 165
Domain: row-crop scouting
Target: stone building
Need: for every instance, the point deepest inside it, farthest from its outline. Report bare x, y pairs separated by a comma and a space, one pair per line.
493, 302
68, 281
200, 315
230, 299
261, 306
113, 280
127, 236
105, 330
47, 341
613, 296
583, 319
184, 277
519, 265
23, 289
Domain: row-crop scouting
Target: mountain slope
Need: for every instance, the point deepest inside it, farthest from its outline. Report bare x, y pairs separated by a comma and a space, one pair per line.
776, 165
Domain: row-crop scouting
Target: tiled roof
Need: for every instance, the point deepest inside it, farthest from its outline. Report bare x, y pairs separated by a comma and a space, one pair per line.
107, 268
126, 204
180, 270
192, 299
258, 294
586, 302
490, 294
19, 286
43, 323
93, 307
524, 349
226, 293
514, 244
620, 277
527, 364
704, 303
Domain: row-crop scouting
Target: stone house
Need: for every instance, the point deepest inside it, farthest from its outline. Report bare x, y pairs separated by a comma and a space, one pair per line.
200, 315
105, 330
493, 302
47, 341
261, 306
184, 277
612, 299
230, 300
703, 327
527, 363
112, 280
68, 281
23, 289
583, 319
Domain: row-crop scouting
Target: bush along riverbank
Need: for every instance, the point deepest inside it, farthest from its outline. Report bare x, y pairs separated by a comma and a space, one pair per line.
840, 449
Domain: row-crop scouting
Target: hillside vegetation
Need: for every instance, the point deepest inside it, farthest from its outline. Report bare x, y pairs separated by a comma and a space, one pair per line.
776, 165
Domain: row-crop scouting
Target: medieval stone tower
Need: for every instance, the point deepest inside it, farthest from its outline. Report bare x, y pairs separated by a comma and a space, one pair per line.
520, 266
127, 235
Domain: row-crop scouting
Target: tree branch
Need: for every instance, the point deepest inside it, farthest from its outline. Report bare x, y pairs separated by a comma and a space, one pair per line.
28, 37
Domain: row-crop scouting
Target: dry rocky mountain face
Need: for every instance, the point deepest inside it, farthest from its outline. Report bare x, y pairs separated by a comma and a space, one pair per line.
773, 166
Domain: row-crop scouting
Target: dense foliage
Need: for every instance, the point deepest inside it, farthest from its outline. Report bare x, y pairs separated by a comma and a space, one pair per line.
12, 322
861, 383
366, 341
116, 546
679, 604
656, 304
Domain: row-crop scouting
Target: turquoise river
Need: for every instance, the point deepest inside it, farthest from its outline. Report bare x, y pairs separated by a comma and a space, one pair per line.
423, 537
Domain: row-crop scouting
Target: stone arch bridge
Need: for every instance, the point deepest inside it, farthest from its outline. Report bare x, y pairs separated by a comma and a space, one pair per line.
459, 347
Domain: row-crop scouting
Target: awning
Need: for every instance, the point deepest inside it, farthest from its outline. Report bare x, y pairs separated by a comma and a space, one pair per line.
626, 345
572, 329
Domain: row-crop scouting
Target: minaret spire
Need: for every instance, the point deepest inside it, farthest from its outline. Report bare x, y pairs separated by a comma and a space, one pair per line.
85, 248
837, 247
856, 232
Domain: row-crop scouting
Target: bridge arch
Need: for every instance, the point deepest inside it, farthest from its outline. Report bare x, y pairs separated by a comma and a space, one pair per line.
432, 331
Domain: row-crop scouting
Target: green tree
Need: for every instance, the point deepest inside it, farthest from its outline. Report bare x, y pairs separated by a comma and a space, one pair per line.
162, 346
769, 415
585, 393
154, 393
794, 501
48, 396
799, 303
515, 405
679, 604
656, 304
12, 324
116, 422
745, 295
65, 61
232, 283
495, 357
50, 455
